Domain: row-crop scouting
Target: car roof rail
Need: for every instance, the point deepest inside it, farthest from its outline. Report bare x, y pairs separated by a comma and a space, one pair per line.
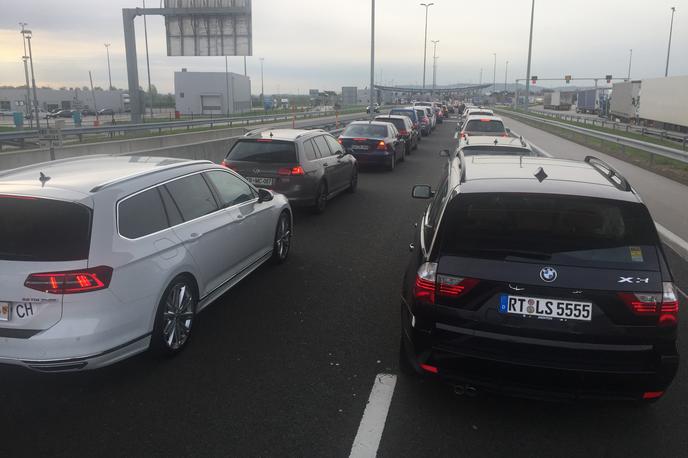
152, 171
610, 173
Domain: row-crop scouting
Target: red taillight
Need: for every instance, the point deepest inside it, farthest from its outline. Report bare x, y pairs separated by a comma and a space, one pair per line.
403, 132
290, 171
429, 285
71, 282
455, 286
341, 142
664, 305
424, 288
382, 146
429, 368
653, 394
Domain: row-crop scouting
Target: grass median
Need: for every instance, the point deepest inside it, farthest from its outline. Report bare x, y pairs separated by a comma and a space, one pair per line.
669, 168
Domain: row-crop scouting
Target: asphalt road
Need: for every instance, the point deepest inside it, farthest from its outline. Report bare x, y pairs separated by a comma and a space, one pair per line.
283, 365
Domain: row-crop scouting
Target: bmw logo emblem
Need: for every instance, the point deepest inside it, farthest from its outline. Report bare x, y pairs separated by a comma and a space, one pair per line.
548, 274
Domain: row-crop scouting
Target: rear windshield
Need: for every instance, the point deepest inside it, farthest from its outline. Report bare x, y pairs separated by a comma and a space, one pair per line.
421, 113
43, 230
487, 126
399, 123
496, 150
279, 152
366, 131
408, 113
563, 230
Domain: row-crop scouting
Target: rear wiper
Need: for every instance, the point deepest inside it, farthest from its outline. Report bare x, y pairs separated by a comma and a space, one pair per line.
513, 253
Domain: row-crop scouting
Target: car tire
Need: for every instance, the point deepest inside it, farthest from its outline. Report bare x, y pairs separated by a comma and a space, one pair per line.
282, 243
353, 184
405, 366
175, 317
320, 198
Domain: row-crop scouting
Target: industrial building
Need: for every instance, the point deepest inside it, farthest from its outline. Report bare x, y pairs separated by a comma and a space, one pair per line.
349, 95
211, 93
64, 99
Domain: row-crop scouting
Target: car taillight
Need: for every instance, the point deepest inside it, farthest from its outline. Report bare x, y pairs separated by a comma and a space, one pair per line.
341, 142
664, 305
290, 171
382, 146
415, 125
71, 282
403, 132
429, 285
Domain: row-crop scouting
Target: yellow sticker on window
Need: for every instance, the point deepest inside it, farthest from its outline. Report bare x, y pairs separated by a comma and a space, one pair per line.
636, 254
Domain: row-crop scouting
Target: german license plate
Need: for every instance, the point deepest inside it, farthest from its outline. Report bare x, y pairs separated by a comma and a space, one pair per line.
360, 147
4, 311
545, 308
259, 181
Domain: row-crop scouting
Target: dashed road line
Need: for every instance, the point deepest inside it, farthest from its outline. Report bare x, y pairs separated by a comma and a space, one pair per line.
374, 418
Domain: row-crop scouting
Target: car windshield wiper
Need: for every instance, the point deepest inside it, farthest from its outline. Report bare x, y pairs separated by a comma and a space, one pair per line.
506, 252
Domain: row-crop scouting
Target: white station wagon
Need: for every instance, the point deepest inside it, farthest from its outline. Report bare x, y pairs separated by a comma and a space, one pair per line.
103, 257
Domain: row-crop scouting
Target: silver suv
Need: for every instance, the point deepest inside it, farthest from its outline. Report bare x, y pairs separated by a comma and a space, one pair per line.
104, 257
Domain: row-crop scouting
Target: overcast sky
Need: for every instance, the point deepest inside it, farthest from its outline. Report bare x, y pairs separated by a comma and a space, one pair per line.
325, 44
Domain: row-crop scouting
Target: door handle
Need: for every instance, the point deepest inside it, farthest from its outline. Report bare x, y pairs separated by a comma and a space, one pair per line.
195, 236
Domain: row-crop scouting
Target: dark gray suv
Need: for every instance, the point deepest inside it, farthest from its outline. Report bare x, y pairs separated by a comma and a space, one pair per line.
308, 166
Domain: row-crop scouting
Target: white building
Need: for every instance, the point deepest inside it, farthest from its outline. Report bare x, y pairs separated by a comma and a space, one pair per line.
211, 93
63, 99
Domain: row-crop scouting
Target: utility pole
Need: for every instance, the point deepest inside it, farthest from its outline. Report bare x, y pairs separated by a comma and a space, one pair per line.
227, 81
145, 34
425, 42
93, 95
434, 65
530, 55
372, 61
25, 58
107, 49
27, 35
506, 76
262, 83
494, 74
245, 74
671, 32
630, 62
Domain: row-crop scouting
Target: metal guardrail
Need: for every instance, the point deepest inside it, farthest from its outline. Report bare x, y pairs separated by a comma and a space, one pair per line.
605, 123
34, 135
651, 148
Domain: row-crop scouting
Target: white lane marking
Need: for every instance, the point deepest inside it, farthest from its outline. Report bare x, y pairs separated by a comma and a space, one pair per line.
374, 417
682, 293
674, 241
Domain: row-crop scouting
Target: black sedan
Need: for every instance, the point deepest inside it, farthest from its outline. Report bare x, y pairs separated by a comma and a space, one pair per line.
374, 143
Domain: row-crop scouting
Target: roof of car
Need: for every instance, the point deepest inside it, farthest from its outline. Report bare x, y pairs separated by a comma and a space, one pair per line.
86, 174
518, 174
282, 134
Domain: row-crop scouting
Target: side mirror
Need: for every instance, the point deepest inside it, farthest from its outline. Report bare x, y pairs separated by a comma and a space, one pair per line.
264, 195
444, 153
422, 191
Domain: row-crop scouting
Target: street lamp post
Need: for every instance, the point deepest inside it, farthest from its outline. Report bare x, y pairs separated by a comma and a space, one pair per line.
372, 61
671, 32
506, 75
494, 73
107, 49
530, 55
27, 35
434, 65
262, 83
25, 58
425, 43
630, 62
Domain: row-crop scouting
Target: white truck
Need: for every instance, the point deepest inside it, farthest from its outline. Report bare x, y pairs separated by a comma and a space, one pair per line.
558, 100
664, 103
625, 100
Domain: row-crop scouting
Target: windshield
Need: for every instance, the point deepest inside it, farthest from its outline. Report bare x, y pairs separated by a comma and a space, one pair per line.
563, 230
43, 230
279, 152
365, 131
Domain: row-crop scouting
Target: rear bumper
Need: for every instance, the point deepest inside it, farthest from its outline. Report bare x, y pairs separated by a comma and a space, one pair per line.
539, 369
381, 158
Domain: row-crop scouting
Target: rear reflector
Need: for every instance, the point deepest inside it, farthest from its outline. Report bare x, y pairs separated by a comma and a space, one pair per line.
429, 368
653, 394
71, 282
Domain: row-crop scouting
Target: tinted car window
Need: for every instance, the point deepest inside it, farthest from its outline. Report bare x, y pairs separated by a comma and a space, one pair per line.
485, 126
564, 230
231, 189
398, 123
334, 145
173, 214
142, 214
263, 150
309, 149
43, 230
193, 196
411, 114
366, 131
321, 143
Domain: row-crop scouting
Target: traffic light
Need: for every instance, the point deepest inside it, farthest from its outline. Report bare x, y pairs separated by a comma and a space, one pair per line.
609, 79
534, 79
568, 79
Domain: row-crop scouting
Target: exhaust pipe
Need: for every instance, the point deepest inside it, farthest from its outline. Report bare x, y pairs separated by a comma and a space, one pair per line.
465, 390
